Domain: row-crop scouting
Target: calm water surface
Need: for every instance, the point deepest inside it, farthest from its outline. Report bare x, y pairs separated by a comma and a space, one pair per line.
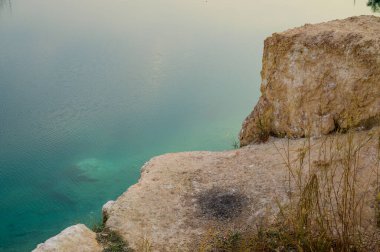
91, 89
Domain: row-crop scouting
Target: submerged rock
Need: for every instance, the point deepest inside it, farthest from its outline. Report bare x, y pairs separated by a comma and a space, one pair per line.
317, 79
74, 238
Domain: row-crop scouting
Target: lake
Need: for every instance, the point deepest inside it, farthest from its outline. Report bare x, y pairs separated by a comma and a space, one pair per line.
92, 89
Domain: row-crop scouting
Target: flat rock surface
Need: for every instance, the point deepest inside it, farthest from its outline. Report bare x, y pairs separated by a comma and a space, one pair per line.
75, 238
317, 79
183, 195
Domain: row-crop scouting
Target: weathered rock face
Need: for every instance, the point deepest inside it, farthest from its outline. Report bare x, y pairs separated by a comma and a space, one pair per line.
74, 238
181, 197
317, 79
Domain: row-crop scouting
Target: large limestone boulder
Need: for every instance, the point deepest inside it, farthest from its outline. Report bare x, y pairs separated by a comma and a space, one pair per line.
75, 238
317, 79
181, 197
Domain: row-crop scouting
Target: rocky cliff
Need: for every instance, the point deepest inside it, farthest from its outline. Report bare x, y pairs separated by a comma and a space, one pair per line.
316, 79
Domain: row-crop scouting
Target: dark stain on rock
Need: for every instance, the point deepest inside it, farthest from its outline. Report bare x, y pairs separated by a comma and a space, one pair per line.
221, 204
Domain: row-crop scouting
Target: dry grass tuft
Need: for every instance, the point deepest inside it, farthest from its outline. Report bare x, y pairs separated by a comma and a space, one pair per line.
328, 202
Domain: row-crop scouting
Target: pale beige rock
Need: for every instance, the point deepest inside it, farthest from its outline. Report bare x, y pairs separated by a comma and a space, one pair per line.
317, 79
76, 238
164, 207
106, 209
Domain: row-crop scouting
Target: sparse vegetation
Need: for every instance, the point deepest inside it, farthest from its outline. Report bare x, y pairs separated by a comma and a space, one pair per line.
144, 245
235, 144
325, 209
374, 4
110, 240
221, 241
97, 227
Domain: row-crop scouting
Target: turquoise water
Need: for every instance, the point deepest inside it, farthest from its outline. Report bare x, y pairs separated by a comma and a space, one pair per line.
91, 89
